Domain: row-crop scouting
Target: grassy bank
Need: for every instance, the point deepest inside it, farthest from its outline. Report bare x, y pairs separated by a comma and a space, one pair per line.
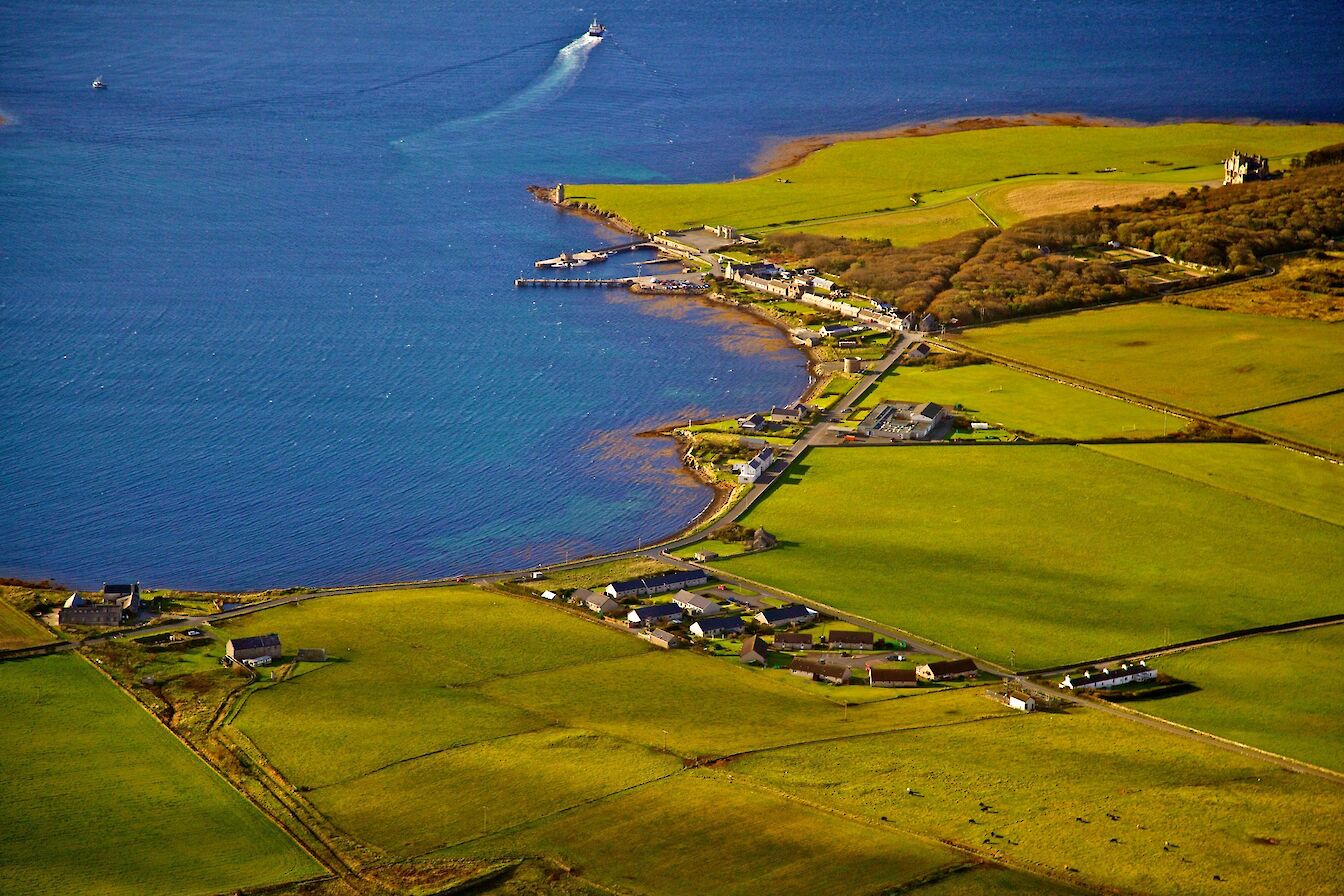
831, 189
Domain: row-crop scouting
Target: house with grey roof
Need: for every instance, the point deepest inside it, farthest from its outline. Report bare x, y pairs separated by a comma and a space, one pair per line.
948, 670
659, 638
642, 616
255, 650
696, 604
659, 584
821, 671
716, 627
881, 677
755, 651
753, 469
597, 603
793, 641
850, 640
785, 616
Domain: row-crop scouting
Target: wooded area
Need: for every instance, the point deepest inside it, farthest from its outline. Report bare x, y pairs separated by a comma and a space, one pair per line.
986, 275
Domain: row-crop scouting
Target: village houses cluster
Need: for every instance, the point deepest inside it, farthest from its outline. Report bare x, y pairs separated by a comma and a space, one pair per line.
770, 635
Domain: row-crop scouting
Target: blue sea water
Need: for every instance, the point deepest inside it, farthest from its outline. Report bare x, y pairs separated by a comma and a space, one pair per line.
257, 321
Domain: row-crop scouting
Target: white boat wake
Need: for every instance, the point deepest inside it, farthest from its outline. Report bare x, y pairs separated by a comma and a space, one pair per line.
559, 77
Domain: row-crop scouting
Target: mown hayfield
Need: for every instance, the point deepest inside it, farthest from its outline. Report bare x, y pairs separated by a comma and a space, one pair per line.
458, 794
701, 833
1287, 479
1217, 362
18, 629
1019, 401
98, 798
1010, 203
879, 176
1057, 553
1270, 691
1087, 791
1317, 421
403, 674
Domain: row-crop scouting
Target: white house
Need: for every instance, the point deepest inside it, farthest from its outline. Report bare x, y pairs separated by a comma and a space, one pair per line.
642, 616
1021, 701
598, 603
696, 604
787, 615
753, 469
668, 581
659, 638
718, 627
1126, 674
948, 670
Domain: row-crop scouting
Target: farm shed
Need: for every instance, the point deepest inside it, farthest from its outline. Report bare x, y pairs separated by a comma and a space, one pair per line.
253, 648
851, 640
879, 677
820, 671
793, 641
948, 670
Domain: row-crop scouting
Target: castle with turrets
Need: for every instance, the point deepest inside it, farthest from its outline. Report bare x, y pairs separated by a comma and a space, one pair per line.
1239, 169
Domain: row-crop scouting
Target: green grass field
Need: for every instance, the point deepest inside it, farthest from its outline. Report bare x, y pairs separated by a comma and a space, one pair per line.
1216, 362
408, 662
100, 799
1019, 401
562, 739
1003, 549
700, 833
1261, 829
1316, 421
1297, 482
456, 712
906, 227
1270, 691
878, 177
18, 629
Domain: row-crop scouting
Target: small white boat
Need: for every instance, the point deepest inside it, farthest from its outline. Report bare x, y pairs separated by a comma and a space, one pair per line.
99, 83
597, 29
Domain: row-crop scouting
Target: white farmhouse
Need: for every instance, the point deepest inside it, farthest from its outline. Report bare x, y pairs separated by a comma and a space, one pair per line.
1126, 674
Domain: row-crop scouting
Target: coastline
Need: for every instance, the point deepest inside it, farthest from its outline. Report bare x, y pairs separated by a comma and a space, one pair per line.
776, 154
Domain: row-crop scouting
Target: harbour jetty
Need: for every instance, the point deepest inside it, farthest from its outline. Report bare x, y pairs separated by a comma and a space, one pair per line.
589, 256
576, 282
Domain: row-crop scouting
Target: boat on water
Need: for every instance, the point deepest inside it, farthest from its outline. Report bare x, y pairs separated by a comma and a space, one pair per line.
597, 29
99, 83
